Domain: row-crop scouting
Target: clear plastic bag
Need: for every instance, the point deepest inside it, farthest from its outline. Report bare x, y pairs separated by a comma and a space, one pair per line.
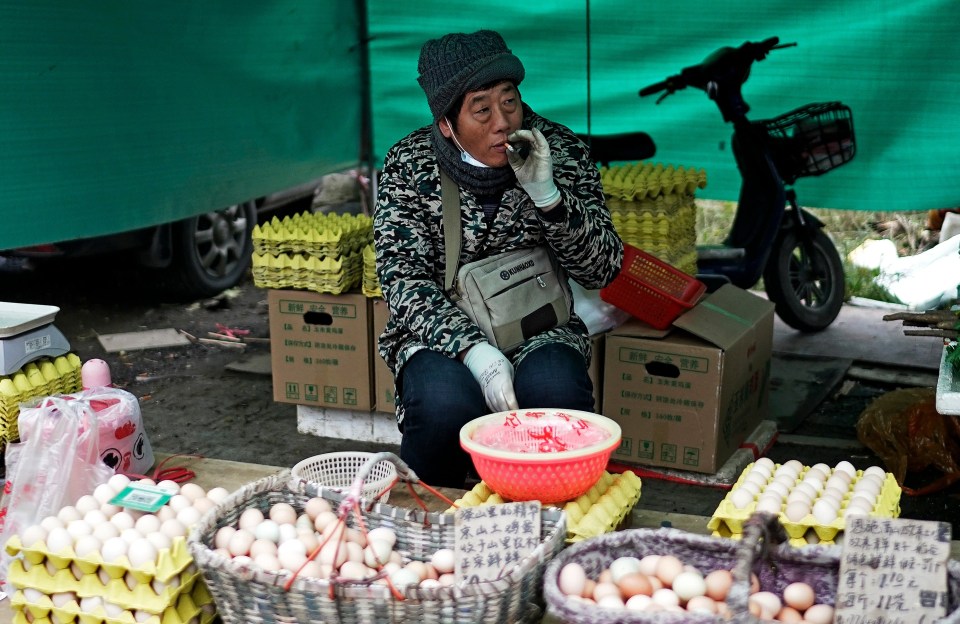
56, 462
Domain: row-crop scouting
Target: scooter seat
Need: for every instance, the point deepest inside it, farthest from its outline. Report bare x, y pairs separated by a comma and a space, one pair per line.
719, 252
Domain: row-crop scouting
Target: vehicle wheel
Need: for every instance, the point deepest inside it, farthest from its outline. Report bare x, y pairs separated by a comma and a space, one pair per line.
211, 252
804, 279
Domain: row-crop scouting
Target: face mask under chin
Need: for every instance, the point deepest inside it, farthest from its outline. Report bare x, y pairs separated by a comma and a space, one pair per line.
464, 155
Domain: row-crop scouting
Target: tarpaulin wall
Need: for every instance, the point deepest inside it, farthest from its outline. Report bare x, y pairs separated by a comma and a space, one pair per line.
121, 114
894, 63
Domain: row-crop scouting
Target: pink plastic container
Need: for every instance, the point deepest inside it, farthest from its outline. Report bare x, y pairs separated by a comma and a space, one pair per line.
549, 455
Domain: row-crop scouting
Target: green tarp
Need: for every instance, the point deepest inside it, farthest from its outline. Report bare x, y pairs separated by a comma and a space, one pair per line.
896, 64
121, 114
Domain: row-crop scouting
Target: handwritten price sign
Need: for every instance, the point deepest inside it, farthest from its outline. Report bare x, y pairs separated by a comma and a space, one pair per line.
893, 571
491, 539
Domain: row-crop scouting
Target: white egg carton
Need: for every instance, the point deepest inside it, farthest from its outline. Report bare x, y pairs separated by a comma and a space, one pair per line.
729, 517
948, 388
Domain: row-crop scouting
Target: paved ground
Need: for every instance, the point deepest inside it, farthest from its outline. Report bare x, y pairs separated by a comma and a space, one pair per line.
192, 402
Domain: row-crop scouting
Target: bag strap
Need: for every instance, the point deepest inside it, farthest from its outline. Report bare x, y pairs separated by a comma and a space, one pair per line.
450, 198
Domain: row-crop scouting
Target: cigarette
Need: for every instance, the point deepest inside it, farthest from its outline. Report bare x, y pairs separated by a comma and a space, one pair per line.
510, 148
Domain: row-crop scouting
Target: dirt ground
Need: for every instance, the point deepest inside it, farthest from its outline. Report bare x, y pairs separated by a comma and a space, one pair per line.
191, 401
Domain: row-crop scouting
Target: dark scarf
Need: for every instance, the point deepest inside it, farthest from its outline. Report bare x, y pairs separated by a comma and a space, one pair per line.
477, 180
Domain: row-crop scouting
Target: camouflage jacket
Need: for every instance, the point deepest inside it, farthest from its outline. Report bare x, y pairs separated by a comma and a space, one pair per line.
408, 237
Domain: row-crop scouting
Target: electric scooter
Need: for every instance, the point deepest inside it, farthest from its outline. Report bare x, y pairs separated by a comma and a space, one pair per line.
771, 236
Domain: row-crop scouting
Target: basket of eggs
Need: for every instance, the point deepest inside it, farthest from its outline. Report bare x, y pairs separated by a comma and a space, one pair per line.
642, 576
283, 549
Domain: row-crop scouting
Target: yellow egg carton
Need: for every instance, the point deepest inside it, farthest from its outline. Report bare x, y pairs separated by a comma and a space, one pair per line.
727, 520
315, 234
304, 272
46, 570
195, 605
646, 179
42, 377
371, 283
601, 510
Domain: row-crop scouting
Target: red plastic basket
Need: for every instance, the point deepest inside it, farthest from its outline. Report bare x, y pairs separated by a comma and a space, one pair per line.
652, 290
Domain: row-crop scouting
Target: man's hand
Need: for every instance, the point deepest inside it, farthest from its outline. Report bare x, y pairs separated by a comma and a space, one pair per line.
494, 373
535, 173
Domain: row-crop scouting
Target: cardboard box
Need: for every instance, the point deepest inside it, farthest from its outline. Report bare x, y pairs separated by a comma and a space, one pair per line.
383, 388
320, 349
687, 397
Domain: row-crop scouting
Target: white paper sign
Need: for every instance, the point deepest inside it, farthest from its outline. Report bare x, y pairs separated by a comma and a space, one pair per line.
491, 539
892, 571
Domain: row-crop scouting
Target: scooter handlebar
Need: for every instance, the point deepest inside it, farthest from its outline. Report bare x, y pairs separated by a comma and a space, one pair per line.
715, 65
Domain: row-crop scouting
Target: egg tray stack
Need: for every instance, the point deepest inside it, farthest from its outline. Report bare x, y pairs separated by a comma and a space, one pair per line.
604, 508
653, 208
370, 286
322, 252
169, 591
728, 520
40, 378
247, 594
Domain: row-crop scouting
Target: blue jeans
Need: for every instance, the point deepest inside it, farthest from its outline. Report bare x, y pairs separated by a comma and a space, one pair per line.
440, 395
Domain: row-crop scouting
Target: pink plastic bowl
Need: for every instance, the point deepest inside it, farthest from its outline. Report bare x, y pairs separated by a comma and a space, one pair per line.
553, 468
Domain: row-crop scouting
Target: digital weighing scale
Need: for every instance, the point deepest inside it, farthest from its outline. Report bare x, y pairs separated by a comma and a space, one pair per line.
26, 334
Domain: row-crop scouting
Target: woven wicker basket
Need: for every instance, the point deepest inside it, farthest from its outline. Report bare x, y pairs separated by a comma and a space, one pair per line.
339, 470
245, 594
762, 551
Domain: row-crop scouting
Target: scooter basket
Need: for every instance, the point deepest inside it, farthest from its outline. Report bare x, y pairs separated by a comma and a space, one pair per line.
811, 140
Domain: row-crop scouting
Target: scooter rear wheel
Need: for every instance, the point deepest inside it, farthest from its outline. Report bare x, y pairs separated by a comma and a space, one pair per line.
804, 279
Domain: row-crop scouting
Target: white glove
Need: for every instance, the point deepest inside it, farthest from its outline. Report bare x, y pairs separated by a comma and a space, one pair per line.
535, 173
494, 372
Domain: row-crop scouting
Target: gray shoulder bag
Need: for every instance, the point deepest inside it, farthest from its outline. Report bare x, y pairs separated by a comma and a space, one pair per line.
511, 296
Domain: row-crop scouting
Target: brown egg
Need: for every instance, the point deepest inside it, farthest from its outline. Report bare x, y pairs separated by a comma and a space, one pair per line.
718, 584
668, 567
800, 596
789, 614
634, 584
605, 577
702, 604
588, 586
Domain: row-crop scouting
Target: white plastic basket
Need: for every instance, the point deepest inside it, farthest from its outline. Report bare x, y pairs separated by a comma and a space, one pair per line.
339, 470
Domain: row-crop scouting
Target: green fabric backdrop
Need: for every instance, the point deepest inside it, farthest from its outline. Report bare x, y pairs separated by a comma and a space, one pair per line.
894, 63
124, 113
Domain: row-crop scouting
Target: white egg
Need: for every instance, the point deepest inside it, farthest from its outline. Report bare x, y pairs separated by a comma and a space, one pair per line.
777, 488
160, 540
147, 524
179, 502
62, 599
68, 514
689, 584
193, 491
763, 469
769, 504
377, 553
876, 470
173, 528
118, 482
33, 535
165, 513
741, 498
355, 571
52, 522
95, 517
640, 602
845, 467
403, 578
91, 604
756, 478
797, 510
32, 595
113, 549
292, 554
170, 486
104, 493
444, 560
267, 530
110, 510
141, 552
123, 520
287, 532
217, 494
666, 597
131, 535
105, 530
86, 503
86, 546
59, 540
824, 513
189, 516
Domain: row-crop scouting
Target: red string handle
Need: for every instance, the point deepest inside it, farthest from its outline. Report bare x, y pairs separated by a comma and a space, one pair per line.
177, 474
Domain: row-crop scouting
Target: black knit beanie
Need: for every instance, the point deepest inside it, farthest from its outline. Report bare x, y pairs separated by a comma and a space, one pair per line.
459, 62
